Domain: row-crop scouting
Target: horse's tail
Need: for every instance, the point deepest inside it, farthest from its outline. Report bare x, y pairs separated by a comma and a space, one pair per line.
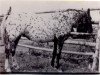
3, 25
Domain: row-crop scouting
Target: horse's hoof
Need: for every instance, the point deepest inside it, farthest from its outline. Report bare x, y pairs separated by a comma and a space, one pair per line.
8, 70
57, 66
89, 66
59, 71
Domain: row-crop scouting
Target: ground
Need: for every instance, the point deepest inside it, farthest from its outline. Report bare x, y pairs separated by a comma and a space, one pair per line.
32, 60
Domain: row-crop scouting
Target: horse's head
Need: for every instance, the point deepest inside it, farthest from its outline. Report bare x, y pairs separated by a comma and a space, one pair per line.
84, 22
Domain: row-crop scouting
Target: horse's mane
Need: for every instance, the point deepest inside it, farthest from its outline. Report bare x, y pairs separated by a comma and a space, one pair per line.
77, 10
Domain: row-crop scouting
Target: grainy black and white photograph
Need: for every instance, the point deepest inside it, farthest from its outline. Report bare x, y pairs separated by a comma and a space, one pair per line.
49, 36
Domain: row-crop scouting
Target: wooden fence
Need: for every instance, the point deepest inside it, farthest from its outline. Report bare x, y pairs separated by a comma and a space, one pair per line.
96, 44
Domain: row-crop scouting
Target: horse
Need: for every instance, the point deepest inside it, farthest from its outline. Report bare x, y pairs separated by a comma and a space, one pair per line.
55, 27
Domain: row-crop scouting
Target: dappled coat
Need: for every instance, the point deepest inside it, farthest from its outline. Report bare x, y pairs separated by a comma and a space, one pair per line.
43, 27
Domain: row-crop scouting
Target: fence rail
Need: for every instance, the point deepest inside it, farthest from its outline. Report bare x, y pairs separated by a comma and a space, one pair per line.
80, 42
95, 55
80, 33
64, 51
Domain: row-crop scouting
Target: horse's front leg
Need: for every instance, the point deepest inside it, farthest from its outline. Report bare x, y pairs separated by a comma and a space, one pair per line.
60, 46
54, 52
61, 40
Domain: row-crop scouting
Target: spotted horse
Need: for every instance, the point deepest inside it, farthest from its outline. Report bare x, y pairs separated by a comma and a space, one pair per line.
46, 27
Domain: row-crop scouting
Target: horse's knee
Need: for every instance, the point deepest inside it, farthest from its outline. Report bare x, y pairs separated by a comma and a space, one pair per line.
58, 57
12, 47
7, 66
9, 49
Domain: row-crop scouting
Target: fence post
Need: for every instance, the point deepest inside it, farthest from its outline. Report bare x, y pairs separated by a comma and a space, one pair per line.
97, 51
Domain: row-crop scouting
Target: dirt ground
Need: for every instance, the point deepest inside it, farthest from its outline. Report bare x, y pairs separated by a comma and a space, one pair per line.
32, 60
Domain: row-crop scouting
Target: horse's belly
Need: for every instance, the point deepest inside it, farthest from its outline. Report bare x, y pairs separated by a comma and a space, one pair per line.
41, 36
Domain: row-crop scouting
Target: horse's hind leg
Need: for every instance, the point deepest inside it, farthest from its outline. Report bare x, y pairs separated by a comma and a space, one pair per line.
13, 47
14, 61
10, 49
7, 52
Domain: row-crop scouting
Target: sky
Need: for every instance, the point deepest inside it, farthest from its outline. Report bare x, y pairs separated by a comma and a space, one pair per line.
37, 6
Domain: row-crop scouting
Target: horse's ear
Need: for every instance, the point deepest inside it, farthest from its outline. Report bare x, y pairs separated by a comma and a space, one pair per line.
88, 12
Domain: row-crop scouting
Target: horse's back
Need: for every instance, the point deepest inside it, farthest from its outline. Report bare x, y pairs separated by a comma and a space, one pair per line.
40, 27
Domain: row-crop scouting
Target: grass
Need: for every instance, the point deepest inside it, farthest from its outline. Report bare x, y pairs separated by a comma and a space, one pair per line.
35, 61
32, 60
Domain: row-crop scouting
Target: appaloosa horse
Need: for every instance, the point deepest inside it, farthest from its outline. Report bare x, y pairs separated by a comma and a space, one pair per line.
46, 27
